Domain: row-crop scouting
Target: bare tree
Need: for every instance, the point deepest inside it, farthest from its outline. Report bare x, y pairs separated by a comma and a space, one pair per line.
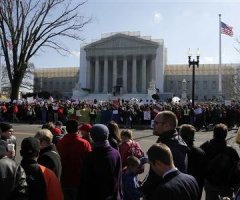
231, 86
238, 44
27, 82
26, 26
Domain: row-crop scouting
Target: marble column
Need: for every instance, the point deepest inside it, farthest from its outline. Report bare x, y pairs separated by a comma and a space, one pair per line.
125, 74
144, 74
114, 71
105, 76
153, 69
96, 85
88, 73
134, 75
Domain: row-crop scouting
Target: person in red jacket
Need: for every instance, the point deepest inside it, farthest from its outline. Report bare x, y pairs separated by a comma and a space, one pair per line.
72, 150
15, 112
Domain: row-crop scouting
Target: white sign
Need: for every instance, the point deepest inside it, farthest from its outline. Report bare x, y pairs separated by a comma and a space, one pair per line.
228, 102
115, 112
146, 115
30, 99
78, 114
198, 111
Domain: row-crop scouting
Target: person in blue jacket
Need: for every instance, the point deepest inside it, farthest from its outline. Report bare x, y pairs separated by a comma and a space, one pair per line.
130, 183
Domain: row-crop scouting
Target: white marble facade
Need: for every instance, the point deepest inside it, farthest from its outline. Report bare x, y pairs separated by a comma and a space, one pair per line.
122, 63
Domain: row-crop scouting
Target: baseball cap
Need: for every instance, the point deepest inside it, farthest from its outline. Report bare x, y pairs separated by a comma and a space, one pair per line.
85, 127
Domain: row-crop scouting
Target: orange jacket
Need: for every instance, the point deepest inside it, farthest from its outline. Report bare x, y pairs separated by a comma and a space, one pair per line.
53, 187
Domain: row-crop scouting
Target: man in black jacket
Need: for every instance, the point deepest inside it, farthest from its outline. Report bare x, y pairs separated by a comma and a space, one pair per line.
196, 156
220, 159
175, 185
165, 124
13, 183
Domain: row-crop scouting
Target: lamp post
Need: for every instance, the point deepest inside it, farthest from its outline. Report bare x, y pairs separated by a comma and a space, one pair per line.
193, 63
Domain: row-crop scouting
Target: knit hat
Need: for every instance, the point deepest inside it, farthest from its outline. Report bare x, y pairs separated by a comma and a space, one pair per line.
56, 131
99, 132
30, 147
5, 126
85, 127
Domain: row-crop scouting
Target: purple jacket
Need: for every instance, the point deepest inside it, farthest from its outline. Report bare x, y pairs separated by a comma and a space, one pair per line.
101, 175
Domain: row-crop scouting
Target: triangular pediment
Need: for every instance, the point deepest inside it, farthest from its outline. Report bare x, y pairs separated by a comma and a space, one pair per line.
121, 41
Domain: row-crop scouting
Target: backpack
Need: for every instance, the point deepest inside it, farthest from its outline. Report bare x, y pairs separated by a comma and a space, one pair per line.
222, 170
135, 150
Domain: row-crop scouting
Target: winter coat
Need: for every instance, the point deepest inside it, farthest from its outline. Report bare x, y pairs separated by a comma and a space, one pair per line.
179, 151
50, 158
72, 150
101, 177
12, 180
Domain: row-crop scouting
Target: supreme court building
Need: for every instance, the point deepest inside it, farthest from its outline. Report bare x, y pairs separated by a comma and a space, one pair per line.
119, 64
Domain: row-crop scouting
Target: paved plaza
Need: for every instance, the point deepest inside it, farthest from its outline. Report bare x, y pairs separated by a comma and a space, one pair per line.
144, 137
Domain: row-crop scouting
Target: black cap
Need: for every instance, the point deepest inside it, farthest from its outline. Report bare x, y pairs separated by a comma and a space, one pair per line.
30, 147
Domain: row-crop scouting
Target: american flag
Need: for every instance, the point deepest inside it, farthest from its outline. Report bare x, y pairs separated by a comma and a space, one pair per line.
227, 30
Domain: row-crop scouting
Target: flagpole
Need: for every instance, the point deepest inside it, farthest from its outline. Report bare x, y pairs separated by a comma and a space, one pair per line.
220, 59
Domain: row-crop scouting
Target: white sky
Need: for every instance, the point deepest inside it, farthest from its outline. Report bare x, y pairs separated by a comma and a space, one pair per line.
182, 24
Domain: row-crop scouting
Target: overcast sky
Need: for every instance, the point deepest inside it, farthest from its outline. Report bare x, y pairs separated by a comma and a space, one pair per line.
181, 24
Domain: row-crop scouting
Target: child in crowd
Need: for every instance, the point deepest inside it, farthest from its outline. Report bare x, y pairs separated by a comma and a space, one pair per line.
85, 132
59, 124
129, 147
130, 183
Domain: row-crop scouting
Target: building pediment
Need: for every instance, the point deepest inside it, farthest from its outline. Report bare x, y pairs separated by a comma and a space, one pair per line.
121, 41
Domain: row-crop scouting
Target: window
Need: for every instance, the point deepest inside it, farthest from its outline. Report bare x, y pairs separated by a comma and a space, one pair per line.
204, 84
179, 85
196, 84
188, 85
57, 84
214, 85
171, 85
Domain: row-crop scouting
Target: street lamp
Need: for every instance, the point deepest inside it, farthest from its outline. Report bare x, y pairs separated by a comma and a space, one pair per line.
193, 63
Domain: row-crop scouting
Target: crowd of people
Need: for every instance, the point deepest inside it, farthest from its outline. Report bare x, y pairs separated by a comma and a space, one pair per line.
126, 113
92, 161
